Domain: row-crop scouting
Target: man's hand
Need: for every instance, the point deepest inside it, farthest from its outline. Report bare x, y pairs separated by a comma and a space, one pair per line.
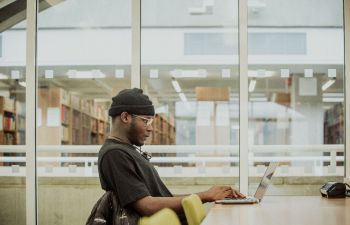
219, 192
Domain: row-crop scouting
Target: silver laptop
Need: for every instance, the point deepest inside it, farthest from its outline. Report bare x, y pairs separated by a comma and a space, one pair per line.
260, 191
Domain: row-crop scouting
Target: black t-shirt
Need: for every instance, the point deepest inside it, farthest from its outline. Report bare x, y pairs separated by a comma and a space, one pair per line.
130, 175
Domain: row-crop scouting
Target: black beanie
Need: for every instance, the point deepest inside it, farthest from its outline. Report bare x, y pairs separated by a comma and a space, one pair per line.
131, 101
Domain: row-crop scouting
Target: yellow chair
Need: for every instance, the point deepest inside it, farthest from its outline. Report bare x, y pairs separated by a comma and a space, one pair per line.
194, 210
162, 217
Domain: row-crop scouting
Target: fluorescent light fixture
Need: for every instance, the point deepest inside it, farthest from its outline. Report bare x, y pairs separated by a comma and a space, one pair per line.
225, 73
252, 85
153, 73
329, 83
176, 85
332, 73
261, 73
89, 74
200, 73
285, 73
71, 73
48, 74
206, 8
308, 73
15, 74
119, 73
98, 74
22, 83
183, 97
256, 6
3, 76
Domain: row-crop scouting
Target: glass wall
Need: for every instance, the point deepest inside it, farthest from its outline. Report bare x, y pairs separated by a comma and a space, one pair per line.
296, 92
189, 66
190, 69
12, 112
84, 56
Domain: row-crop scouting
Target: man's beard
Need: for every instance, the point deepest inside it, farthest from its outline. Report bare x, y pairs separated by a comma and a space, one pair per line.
133, 135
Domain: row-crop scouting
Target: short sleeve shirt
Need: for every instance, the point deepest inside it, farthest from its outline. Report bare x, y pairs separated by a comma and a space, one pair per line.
130, 175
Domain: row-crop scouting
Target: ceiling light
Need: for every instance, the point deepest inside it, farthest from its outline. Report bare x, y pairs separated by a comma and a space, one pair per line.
22, 83
183, 97
308, 73
261, 73
225, 73
119, 73
332, 73
252, 85
329, 83
48, 74
71, 73
89, 74
205, 9
285, 73
97, 74
153, 73
176, 85
15, 74
200, 73
3, 76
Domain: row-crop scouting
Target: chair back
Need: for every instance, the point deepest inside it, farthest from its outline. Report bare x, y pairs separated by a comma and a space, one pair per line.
162, 217
194, 209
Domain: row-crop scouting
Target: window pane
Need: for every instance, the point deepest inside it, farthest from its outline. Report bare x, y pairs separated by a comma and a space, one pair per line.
12, 112
190, 70
296, 94
84, 55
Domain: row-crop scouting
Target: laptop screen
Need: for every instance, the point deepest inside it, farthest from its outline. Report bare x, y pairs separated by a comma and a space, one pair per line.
265, 180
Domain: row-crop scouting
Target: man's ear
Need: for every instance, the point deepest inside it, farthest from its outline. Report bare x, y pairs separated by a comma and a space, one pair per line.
124, 117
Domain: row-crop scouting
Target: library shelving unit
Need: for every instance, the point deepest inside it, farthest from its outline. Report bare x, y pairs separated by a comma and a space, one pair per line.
8, 133
102, 124
76, 120
334, 127
12, 125
68, 119
54, 117
93, 131
164, 132
20, 123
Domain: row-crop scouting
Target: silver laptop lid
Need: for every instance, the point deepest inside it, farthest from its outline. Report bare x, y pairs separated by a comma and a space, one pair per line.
265, 180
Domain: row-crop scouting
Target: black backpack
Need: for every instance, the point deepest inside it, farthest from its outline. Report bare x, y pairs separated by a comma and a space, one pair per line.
107, 210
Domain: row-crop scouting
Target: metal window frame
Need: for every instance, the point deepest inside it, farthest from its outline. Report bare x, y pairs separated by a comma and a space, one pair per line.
346, 8
243, 96
136, 43
30, 145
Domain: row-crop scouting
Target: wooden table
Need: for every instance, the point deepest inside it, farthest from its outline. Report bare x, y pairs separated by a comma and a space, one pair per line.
283, 210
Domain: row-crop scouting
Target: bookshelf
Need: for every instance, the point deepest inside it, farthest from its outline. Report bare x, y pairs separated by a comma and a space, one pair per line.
333, 127
80, 121
54, 117
8, 133
164, 132
21, 123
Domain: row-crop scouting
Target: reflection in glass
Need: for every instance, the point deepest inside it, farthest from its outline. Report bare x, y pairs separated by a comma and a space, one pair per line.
296, 91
